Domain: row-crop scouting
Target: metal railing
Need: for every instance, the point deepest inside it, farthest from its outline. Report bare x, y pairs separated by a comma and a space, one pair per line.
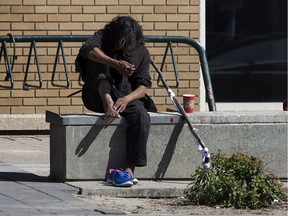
9, 60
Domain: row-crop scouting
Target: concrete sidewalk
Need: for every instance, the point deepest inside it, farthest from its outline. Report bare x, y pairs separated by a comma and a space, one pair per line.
26, 190
24, 185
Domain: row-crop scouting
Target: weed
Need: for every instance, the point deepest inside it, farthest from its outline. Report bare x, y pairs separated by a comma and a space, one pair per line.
238, 181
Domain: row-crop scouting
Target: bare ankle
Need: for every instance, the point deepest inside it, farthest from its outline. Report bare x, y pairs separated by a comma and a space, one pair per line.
130, 169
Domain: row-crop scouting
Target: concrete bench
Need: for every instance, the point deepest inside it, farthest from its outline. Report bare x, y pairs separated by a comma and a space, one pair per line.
83, 146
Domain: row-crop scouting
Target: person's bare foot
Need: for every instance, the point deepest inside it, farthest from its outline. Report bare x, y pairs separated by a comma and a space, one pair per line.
104, 91
111, 113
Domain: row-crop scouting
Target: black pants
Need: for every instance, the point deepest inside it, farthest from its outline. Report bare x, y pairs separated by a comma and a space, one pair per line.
135, 114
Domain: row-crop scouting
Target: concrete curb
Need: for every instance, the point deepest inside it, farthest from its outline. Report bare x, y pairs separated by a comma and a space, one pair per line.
145, 188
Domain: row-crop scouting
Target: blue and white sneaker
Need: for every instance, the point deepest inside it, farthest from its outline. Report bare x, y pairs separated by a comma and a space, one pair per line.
120, 178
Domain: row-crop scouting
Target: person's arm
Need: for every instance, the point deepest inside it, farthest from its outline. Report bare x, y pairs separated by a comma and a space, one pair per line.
122, 102
125, 68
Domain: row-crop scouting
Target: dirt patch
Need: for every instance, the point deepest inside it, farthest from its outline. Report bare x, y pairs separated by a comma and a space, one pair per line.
172, 206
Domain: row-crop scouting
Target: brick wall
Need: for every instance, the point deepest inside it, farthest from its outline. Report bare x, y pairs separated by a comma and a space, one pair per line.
78, 17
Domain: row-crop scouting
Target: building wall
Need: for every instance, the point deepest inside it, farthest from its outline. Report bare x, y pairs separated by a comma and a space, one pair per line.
78, 17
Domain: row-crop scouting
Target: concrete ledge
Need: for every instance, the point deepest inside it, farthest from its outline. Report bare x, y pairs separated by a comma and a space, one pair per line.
25, 122
169, 117
83, 146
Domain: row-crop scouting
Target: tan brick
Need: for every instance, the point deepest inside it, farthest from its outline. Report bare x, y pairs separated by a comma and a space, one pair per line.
165, 9
194, 34
53, 32
22, 26
194, 18
47, 93
178, 17
180, 67
22, 109
4, 9
189, 26
10, 101
154, 17
5, 93
12, 17
195, 67
188, 59
82, 17
23, 94
34, 2
5, 27
178, 33
189, 10
77, 101
66, 92
191, 75
92, 27
59, 17
70, 9
138, 17
81, 2
71, 109
147, 26
10, 2
17, 85
58, 101
5, 109
181, 49
141, 9
165, 26
22, 9
46, 9
104, 17
195, 2
194, 83
129, 2
34, 101
33, 18
43, 60
46, 26
74, 75
18, 76
159, 100
153, 2
161, 92
43, 109
94, 9
70, 26
75, 85
184, 84
194, 91
118, 9
57, 2
105, 2
178, 2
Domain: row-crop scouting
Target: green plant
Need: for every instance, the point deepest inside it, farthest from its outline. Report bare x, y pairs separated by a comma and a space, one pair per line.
238, 181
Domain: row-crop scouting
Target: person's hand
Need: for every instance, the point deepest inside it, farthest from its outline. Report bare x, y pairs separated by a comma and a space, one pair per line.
125, 68
120, 104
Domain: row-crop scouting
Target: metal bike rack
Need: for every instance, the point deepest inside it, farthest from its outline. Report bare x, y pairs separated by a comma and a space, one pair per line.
9, 62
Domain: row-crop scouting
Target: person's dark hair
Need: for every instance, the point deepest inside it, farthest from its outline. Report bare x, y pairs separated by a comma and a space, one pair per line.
123, 36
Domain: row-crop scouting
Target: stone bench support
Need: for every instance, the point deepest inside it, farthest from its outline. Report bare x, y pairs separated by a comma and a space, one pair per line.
83, 146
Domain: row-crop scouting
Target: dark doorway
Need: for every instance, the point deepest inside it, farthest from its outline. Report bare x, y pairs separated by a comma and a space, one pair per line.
246, 43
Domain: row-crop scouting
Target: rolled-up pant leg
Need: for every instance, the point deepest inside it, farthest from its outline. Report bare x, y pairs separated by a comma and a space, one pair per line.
137, 133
